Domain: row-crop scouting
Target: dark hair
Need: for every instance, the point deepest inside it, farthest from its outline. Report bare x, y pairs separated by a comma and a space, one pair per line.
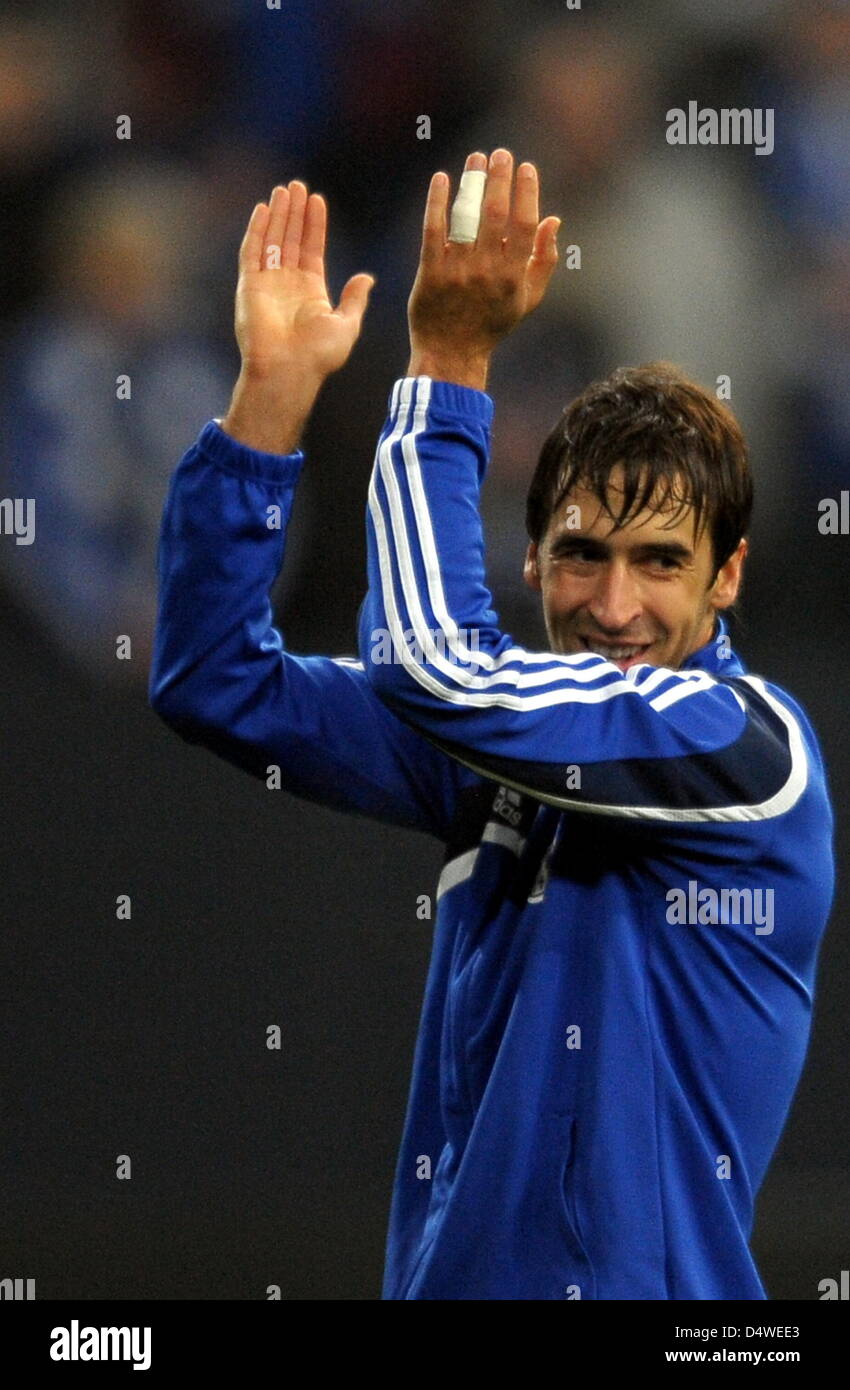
678, 444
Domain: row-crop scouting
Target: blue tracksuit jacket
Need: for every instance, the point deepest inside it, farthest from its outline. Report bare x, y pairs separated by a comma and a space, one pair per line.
638, 872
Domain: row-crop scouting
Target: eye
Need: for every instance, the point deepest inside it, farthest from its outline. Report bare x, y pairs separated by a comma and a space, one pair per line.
583, 553
666, 562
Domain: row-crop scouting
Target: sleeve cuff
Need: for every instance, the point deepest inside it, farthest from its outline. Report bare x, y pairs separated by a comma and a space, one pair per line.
449, 398
233, 457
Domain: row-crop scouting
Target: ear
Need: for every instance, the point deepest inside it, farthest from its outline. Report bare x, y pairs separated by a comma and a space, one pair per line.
530, 570
725, 588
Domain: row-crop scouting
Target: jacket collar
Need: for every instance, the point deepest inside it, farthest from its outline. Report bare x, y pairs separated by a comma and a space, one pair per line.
717, 655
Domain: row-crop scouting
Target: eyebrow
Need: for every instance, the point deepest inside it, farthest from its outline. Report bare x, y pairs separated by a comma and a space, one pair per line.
574, 540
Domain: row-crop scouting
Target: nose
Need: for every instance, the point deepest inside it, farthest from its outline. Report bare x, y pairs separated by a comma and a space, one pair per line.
615, 603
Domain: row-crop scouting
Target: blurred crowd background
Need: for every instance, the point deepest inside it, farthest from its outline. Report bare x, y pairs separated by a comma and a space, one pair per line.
118, 258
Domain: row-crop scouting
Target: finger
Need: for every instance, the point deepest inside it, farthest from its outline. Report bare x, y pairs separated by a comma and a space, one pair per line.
291, 249
524, 217
434, 228
465, 213
497, 201
543, 260
251, 250
278, 212
354, 298
313, 238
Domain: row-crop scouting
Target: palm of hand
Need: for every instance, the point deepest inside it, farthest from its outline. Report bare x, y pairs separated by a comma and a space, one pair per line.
284, 314
289, 310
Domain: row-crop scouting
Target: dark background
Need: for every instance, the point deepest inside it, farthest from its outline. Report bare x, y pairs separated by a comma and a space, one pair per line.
254, 1167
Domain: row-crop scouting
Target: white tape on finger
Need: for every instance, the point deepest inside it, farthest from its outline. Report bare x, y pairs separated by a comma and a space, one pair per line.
466, 209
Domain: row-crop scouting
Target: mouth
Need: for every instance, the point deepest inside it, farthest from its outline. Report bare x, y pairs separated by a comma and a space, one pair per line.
620, 654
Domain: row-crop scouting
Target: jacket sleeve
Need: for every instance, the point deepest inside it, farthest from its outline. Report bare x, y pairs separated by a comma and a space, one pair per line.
651, 744
220, 673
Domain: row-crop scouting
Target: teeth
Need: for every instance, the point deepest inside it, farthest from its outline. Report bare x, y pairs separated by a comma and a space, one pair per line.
615, 653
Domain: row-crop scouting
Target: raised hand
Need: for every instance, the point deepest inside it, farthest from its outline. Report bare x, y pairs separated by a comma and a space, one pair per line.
290, 335
283, 309
467, 297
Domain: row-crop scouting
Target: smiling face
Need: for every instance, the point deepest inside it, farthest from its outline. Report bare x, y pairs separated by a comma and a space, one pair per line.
643, 593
